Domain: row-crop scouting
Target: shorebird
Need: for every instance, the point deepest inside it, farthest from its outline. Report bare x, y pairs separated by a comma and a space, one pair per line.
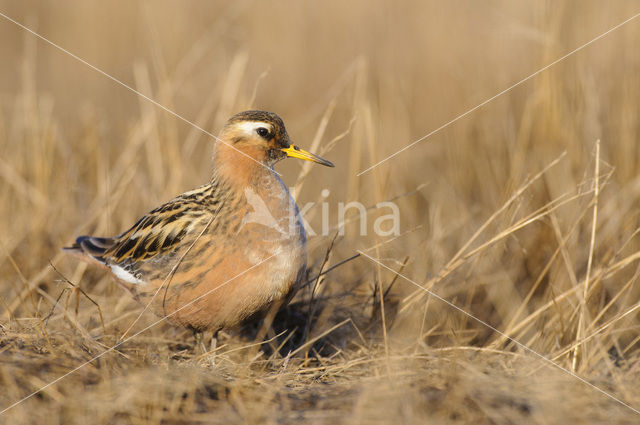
227, 251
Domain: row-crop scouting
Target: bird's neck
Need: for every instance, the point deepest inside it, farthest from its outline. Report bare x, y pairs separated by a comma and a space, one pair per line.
240, 169
257, 187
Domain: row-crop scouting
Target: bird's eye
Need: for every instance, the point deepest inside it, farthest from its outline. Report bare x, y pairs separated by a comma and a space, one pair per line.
262, 132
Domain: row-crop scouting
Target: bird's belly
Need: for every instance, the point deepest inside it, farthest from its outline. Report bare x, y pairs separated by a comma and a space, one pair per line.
243, 276
248, 261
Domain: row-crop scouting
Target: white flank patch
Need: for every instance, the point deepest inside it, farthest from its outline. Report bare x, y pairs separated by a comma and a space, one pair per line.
122, 274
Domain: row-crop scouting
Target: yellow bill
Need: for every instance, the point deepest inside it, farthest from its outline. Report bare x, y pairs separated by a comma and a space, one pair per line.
295, 152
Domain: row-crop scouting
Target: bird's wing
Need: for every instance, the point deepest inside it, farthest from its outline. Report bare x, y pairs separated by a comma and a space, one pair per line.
158, 232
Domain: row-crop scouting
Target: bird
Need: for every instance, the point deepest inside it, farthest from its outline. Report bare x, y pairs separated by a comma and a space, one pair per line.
219, 255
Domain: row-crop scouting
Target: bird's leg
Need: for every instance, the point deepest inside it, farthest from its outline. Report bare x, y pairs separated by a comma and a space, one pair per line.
199, 344
265, 327
214, 342
212, 348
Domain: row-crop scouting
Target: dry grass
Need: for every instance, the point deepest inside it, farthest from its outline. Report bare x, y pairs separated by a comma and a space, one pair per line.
500, 214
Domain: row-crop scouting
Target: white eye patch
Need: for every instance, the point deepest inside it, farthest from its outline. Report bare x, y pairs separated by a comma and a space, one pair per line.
249, 127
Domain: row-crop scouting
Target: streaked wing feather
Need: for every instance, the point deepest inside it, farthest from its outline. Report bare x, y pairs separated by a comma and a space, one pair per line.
158, 232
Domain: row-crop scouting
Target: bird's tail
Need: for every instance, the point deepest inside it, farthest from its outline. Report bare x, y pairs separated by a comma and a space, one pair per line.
90, 248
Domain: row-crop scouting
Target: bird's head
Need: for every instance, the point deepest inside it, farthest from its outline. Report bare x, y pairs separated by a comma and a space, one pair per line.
261, 136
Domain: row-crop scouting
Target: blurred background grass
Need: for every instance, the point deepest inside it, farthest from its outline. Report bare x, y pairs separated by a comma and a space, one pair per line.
80, 154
